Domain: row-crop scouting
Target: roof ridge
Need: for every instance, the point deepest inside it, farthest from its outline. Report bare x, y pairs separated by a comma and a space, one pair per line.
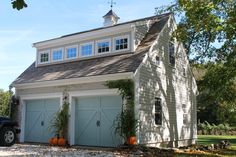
152, 33
132, 21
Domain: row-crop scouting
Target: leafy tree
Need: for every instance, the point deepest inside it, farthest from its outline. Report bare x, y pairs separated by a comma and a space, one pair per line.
208, 30
216, 104
207, 27
18, 4
4, 102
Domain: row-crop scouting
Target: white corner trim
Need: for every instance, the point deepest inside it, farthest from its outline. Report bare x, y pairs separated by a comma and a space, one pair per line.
132, 40
22, 121
137, 105
90, 79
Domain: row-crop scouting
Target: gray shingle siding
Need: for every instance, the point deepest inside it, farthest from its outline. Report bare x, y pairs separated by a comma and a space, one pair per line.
173, 88
140, 32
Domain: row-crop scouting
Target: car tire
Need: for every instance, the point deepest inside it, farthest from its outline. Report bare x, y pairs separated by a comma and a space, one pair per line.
7, 136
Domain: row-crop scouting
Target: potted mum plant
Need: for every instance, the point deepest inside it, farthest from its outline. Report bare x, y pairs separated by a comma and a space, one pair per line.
60, 125
126, 125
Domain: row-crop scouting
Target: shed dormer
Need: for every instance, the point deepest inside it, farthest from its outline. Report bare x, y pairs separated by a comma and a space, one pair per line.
110, 19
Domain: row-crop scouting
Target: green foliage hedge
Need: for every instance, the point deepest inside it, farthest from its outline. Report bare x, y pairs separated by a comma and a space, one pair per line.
206, 128
5, 98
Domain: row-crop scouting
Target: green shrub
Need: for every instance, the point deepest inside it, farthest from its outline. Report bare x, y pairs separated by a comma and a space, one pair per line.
206, 128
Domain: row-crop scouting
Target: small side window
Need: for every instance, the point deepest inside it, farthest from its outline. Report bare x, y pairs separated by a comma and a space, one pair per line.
185, 114
184, 71
158, 111
171, 53
158, 60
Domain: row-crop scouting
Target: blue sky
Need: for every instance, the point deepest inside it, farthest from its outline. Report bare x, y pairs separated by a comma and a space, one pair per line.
46, 19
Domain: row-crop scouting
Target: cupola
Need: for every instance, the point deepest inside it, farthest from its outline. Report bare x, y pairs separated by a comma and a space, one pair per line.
110, 19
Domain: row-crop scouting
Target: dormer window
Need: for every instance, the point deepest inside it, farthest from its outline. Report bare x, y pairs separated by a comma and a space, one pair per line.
57, 55
82, 50
121, 43
86, 50
71, 52
103, 46
44, 57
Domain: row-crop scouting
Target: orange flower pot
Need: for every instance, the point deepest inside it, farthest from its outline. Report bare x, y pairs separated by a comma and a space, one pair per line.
132, 140
54, 141
61, 141
51, 141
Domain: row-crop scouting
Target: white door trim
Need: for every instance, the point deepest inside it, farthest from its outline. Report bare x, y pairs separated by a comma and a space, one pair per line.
24, 98
72, 95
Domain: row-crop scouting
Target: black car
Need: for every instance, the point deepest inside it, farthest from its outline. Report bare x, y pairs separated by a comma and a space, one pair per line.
8, 131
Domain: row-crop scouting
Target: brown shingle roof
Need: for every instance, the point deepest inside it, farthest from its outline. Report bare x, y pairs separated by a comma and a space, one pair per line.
122, 63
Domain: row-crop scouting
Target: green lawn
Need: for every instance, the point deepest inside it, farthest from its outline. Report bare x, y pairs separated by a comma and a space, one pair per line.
213, 139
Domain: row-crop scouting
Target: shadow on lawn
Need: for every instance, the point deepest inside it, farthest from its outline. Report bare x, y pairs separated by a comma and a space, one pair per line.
225, 152
215, 140
215, 153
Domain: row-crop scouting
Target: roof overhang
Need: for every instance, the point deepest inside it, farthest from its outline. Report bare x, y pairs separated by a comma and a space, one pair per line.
81, 80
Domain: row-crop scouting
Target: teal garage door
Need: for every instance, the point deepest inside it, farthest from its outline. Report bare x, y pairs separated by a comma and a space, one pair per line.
39, 114
94, 121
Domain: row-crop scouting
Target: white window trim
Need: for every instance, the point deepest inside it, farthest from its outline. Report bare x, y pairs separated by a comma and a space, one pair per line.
72, 46
80, 49
121, 37
103, 40
44, 52
62, 58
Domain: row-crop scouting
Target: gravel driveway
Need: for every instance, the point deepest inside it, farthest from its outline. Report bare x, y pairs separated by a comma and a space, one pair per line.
50, 151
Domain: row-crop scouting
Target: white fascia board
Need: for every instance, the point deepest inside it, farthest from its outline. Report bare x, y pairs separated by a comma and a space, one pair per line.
64, 82
83, 36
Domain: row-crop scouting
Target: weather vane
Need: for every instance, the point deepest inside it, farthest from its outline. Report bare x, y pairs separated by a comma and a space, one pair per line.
112, 3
